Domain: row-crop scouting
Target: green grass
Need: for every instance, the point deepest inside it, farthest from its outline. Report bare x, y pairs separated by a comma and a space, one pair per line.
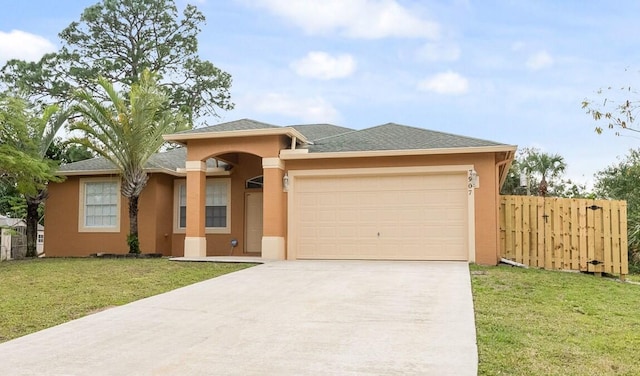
535, 322
37, 294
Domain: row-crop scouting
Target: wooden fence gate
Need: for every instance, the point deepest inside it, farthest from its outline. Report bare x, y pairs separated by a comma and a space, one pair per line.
561, 233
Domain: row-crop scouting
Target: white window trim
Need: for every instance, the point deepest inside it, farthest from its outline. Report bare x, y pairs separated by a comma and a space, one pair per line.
81, 206
176, 208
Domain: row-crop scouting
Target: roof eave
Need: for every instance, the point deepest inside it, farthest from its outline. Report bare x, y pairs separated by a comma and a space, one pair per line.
116, 172
285, 131
393, 153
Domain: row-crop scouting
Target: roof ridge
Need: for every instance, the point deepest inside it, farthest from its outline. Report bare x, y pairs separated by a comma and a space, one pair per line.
338, 135
437, 131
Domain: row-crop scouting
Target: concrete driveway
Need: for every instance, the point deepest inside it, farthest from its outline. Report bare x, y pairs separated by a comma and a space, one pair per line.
280, 318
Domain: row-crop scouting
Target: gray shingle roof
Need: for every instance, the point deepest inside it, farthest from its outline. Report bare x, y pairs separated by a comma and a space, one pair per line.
169, 160
93, 164
393, 136
237, 125
326, 138
315, 132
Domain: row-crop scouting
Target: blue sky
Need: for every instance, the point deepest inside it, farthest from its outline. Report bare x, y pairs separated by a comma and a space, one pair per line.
510, 71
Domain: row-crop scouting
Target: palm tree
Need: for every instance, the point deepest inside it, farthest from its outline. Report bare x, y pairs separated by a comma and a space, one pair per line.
126, 130
548, 166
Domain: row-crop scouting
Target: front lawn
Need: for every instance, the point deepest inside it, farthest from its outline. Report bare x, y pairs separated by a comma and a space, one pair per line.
37, 294
535, 322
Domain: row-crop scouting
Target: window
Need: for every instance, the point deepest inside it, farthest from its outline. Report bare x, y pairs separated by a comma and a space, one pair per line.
40, 238
256, 182
216, 206
99, 205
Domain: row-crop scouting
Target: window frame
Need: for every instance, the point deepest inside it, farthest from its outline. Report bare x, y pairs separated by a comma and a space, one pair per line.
82, 227
257, 181
177, 184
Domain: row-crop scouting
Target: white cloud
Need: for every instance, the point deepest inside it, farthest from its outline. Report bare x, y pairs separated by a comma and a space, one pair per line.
367, 19
18, 44
310, 109
438, 52
539, 60
445, 83
323, 66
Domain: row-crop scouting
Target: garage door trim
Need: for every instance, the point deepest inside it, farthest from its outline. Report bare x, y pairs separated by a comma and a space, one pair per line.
389, 171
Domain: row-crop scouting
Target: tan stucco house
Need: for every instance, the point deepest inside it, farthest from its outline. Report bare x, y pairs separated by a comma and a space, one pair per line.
315, 191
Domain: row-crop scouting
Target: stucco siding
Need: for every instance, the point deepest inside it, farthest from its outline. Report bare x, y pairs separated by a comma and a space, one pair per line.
61, 215
262, 146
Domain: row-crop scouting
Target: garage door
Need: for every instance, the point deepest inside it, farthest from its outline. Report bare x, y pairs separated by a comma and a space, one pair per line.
386, 217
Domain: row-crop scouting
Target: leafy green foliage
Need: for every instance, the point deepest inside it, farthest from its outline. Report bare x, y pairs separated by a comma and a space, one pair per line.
134, 243
542, 174
12, 203
120, 39
127, 130
620, 181
20, 163
35, 128
64, 152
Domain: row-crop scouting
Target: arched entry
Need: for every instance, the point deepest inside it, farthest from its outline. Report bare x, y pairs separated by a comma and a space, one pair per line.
246, 160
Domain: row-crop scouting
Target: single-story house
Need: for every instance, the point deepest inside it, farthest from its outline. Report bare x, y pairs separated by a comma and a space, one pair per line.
13, 238
315, 191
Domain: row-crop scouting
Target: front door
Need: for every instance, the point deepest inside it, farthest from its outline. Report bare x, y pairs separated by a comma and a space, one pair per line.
253, 222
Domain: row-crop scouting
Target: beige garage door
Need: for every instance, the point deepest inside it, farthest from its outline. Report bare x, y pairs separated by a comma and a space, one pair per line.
388, 217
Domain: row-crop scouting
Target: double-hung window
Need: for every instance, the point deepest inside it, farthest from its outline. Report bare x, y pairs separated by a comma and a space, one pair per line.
217, 212
99, 205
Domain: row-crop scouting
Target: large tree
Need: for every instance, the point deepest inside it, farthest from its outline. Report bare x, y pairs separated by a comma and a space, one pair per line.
43, 130
35, 130
118, 40
127, 130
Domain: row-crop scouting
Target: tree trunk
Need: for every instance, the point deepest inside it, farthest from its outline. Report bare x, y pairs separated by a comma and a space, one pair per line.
32, 224
543, 187
133, 182
133, 241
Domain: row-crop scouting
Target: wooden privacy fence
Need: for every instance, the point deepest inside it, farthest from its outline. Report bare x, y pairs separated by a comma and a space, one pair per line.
561, 233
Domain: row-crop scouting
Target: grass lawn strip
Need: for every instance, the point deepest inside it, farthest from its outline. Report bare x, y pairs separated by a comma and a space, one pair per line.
535, 322
37, 294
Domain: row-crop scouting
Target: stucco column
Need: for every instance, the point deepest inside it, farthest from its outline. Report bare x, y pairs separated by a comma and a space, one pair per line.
273, 217
195, 242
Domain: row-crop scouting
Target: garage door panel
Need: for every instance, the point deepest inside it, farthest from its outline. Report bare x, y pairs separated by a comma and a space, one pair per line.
404, 217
